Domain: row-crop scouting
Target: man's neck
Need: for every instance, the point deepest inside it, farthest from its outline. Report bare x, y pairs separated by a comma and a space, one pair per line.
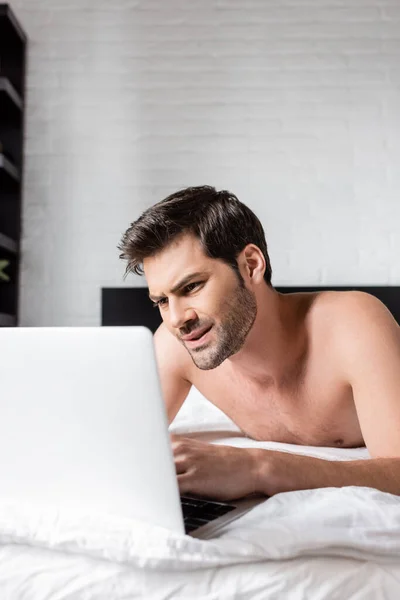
276, 341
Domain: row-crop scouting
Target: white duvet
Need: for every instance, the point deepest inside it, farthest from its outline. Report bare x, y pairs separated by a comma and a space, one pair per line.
328, 543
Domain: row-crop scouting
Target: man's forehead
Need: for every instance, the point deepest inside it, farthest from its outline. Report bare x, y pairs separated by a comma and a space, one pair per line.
180, 256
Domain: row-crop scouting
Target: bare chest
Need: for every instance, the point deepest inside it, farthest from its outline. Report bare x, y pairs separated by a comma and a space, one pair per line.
319, 410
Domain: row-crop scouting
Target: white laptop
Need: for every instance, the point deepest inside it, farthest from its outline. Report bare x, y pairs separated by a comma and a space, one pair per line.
83, 425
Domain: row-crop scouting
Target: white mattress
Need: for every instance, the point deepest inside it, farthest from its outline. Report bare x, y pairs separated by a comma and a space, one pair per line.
328, 543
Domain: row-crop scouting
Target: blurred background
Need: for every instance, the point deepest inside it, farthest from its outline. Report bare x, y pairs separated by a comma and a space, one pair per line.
292, 105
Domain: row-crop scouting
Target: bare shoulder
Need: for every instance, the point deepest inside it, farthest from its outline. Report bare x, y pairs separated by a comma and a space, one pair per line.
171, 354
352, 317
364, 350
347, 307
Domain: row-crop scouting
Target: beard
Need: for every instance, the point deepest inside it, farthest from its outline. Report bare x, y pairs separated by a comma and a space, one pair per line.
230, 335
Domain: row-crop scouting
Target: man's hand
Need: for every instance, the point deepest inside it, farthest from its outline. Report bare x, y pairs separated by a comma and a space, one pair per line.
212, 471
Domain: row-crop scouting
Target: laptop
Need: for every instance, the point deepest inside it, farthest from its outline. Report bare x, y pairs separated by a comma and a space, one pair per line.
83, 425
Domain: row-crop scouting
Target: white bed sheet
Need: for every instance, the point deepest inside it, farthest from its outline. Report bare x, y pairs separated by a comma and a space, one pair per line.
328, 543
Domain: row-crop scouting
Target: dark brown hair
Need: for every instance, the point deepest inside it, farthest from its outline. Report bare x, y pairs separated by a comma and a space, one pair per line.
222, 223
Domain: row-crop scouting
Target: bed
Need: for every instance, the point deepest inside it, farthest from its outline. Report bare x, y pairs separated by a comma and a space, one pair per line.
314, 544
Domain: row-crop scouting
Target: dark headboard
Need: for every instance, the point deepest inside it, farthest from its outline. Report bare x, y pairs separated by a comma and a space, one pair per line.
132, 306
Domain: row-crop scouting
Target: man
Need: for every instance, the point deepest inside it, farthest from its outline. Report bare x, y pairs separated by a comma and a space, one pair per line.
310, 368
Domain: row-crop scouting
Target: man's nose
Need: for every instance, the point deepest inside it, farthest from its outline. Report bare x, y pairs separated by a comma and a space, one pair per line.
179, 314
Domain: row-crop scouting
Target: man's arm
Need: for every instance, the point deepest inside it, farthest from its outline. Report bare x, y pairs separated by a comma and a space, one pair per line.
370, 352
227, 473
171, 362
283, 472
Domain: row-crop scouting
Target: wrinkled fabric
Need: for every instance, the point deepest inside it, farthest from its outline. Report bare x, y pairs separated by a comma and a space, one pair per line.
353, 521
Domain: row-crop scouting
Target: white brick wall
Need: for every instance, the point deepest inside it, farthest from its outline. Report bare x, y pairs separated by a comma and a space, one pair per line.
294, 105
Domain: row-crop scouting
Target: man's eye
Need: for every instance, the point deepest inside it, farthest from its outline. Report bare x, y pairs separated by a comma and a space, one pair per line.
192, 286
160, 302
188, 288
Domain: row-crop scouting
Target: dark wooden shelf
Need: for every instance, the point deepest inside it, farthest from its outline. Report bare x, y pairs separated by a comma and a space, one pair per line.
8, 170
7, 320
13, 44
7, 243
9, 24
9, 98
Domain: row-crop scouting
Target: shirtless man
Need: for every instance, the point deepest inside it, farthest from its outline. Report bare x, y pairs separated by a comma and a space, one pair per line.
309, 368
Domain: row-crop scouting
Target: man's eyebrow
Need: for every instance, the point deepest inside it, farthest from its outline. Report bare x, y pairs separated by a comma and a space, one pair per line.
179, 285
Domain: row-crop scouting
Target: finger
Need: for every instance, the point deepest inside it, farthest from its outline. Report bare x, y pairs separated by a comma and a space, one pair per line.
180, 447
175, 437
185, 483
181, 465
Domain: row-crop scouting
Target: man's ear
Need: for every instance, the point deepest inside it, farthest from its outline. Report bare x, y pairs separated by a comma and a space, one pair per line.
253, 263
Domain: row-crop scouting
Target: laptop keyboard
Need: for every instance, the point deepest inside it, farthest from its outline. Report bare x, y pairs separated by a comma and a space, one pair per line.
197, 512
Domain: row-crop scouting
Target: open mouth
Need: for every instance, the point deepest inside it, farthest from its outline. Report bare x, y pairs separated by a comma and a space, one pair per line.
201, 335
196, 339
